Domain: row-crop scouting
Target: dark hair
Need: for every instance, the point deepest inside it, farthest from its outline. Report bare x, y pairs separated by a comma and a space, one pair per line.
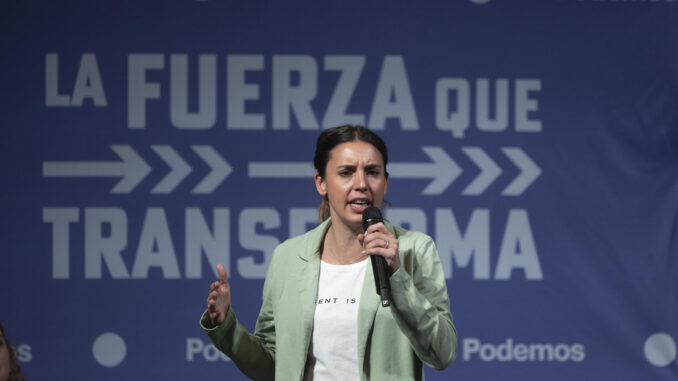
331, 138
14, 368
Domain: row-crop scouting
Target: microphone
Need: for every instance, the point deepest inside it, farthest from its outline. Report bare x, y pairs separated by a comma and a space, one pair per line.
371, 216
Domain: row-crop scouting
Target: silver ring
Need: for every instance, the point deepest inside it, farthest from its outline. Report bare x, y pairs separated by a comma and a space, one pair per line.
385, 244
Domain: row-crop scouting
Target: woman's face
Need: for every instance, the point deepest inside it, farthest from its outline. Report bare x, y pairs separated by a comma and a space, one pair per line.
355, 179
4, 359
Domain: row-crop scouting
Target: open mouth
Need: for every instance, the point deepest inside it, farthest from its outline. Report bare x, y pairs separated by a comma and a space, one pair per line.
359, 204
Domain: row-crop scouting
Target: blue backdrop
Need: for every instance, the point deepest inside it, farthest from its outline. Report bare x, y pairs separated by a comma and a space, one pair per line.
144, 142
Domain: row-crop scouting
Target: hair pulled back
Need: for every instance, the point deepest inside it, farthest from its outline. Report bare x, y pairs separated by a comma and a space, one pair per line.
331, 138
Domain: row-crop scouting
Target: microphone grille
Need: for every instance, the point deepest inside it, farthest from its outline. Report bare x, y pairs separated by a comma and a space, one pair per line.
371, 216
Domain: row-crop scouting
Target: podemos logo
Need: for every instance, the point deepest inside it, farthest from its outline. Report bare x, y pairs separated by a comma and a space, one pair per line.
474, 349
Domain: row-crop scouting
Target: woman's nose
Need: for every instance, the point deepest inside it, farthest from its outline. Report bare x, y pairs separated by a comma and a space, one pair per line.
360, 182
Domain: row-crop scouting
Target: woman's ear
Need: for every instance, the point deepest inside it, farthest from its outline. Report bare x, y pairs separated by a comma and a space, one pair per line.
320, 184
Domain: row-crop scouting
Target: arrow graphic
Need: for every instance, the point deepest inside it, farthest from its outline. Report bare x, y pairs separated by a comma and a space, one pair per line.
443, 170
132, 168
489, 171
529, 171
179, 169
268, 169
220, 169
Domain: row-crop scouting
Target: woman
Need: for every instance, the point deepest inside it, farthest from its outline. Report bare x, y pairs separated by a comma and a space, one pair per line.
321, 317
9, 365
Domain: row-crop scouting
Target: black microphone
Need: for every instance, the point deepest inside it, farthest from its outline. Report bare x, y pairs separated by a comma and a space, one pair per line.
371, 216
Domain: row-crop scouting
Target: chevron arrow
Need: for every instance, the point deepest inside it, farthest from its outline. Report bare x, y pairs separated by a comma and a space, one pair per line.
529, 171
489, 171
220, 169
443, 170
132, 168
179, 169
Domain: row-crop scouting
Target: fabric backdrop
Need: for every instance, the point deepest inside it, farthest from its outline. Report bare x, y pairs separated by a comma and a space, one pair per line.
144, 142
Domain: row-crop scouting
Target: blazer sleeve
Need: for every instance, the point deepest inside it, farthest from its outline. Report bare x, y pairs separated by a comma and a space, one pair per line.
253, 354
421, 306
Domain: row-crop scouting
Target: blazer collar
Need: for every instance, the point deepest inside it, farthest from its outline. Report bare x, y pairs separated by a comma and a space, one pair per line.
314, 239
370, 303
307, 277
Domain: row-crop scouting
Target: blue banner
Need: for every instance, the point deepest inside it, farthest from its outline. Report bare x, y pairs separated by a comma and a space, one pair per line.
145, 142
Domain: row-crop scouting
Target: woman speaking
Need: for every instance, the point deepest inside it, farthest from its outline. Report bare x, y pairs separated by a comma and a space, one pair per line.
321, 318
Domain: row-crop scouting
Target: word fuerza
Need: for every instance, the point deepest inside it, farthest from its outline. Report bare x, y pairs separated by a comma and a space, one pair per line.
282, 92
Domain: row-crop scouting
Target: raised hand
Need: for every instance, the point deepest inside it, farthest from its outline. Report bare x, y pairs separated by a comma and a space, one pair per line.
219, 297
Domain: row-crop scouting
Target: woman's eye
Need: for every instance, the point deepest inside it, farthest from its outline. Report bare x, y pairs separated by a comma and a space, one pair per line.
344, 173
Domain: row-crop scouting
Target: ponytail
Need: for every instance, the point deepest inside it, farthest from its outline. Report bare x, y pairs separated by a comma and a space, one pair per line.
324, 209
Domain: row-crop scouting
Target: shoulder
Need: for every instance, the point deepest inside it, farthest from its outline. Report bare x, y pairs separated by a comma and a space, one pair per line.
408, 238
303, 245
418, 253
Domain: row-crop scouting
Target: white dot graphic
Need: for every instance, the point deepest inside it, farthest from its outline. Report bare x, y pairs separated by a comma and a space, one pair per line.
660, 349
109, 349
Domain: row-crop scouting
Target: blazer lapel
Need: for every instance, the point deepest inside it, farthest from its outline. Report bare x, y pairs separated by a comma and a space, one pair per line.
369, 304
370, 301
307, 281
307, 277
308, 290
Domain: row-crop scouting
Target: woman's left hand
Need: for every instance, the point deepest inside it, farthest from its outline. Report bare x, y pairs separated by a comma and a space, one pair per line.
378, 240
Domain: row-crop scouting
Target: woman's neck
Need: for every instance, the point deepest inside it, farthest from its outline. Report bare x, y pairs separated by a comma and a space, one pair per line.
341, 246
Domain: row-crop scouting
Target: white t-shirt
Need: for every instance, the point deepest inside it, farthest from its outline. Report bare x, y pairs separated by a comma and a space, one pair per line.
335, 324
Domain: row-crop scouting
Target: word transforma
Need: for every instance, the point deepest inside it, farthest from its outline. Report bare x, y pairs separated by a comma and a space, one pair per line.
97, 240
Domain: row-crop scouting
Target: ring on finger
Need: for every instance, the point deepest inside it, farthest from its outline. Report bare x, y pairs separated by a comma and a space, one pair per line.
385, 244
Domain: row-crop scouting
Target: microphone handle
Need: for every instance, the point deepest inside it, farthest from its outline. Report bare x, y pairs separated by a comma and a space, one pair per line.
381, 279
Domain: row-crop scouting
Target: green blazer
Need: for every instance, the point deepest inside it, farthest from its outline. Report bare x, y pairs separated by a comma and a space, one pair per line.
392, 341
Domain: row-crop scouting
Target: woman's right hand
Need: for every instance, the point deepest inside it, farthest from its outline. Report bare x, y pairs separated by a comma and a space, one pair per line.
219, 298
